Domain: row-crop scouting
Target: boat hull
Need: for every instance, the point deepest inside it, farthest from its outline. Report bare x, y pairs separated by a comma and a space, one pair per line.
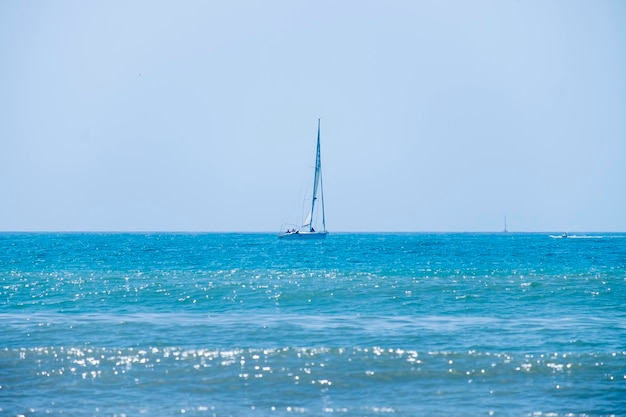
303, 235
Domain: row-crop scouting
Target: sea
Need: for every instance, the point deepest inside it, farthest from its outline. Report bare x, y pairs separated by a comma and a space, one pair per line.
358, 324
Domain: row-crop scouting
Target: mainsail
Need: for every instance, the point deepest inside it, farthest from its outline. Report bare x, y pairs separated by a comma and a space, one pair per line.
317, 180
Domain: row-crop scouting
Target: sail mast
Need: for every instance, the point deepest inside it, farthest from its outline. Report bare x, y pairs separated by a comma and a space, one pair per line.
316, 179
322, 194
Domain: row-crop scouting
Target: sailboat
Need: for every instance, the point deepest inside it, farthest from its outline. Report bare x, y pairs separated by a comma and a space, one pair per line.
307, 229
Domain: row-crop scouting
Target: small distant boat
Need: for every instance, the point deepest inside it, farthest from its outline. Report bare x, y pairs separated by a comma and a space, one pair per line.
307, 229
563, 235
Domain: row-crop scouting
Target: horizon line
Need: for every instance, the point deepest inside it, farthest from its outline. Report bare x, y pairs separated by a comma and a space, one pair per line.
335, 232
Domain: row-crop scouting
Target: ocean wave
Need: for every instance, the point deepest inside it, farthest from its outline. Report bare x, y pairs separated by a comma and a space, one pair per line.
311, 379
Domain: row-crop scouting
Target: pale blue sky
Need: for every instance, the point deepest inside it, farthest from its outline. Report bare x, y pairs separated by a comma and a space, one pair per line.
202, 115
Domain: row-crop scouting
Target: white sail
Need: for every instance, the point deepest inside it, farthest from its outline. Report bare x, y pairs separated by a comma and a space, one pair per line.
307, 220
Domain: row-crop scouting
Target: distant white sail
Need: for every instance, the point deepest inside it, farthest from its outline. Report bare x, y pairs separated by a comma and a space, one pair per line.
307, 221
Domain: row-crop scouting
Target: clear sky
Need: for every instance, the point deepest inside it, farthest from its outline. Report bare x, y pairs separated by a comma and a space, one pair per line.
202, 115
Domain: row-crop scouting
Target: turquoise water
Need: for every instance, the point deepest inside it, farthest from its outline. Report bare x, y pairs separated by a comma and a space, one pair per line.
356, 325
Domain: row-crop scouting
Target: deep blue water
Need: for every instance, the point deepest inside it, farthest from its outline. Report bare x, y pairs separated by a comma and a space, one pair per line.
356, 325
